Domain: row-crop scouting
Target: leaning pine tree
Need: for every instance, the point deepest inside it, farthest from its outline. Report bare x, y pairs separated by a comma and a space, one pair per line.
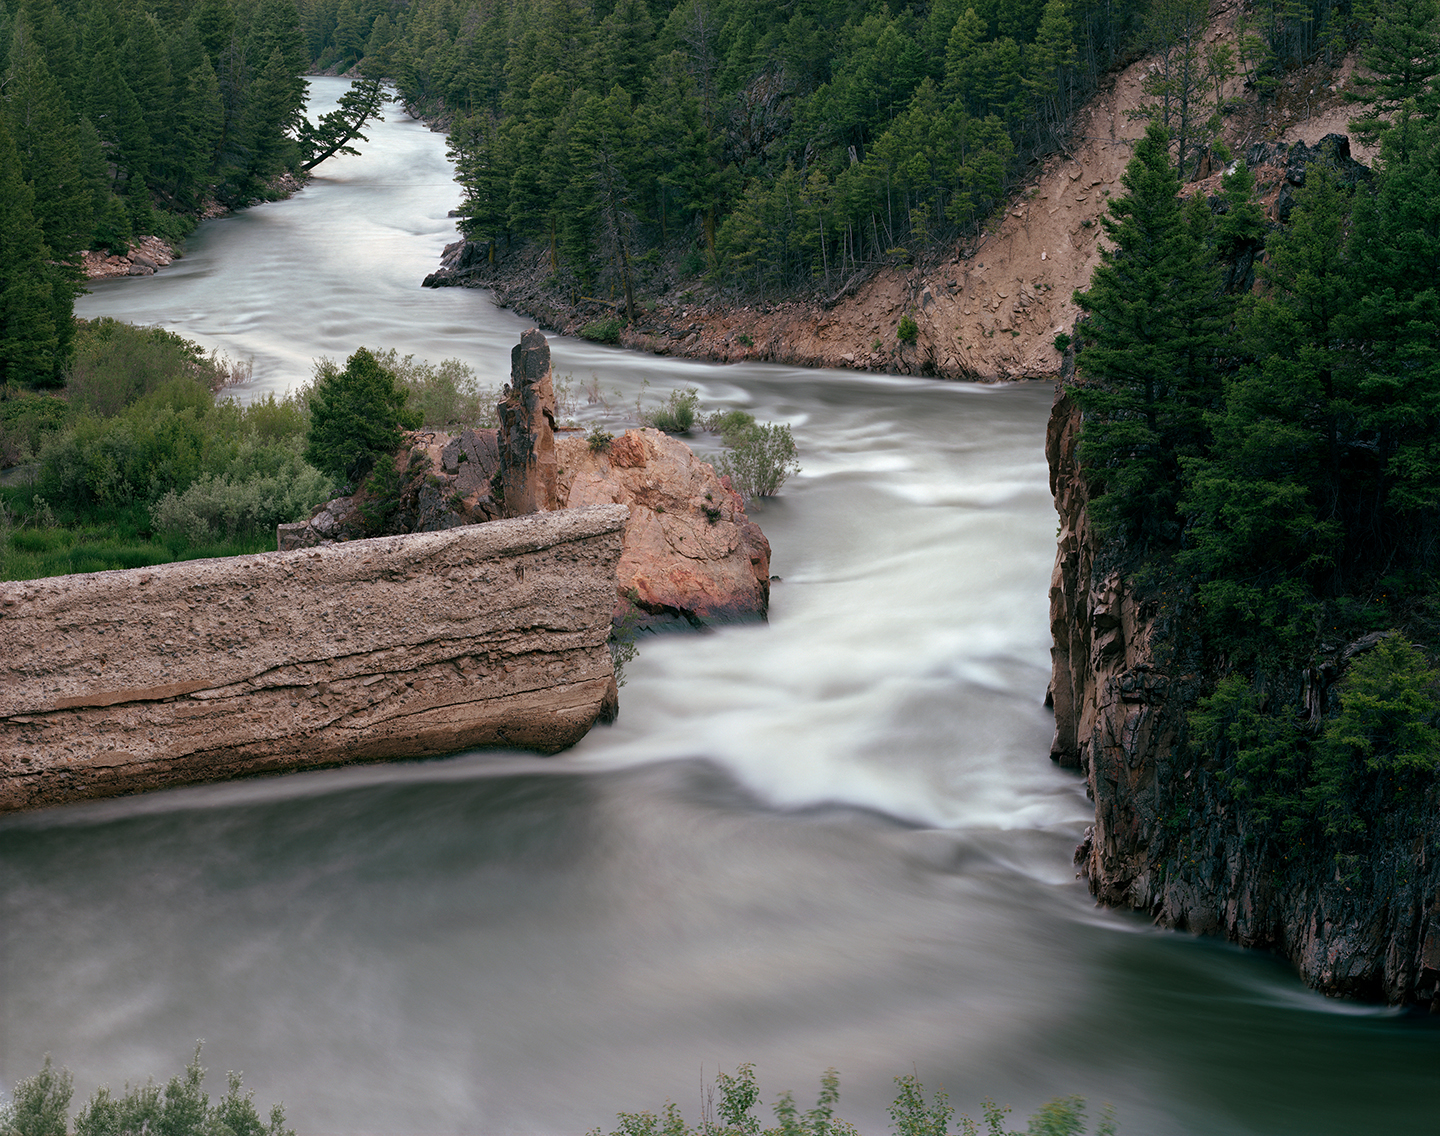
1150, 341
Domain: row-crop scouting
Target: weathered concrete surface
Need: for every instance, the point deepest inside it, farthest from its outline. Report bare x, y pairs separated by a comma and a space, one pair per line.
395, 647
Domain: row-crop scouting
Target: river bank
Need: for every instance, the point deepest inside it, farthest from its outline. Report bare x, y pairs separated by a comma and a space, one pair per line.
987, 307
148, 254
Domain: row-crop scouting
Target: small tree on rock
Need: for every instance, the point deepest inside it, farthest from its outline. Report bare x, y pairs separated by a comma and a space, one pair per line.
356, 416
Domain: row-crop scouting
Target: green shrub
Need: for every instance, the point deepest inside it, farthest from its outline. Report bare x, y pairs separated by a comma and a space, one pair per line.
1062, 343
759, 460
730, 1111
41, 1104
692, 263
356, 416
603, 330
172, 227
599, 439
159, 444
1379, 754
908, 330
25, 422
382, 497
117, 364
112, 227
445, 394
731, 425
1383, 748
676, 415
277, 420
230, 505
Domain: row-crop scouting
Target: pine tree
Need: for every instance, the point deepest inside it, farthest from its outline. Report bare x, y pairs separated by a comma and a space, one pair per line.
118, 118
1264, 506
1151, 338
1184, 78
1048, 65
1396, 314
46, 137
963, 60
335, 131
625, 46
194, 123
356, 418
272, 111
29, 345
484, 175
147, 71
215, 23
1403, 58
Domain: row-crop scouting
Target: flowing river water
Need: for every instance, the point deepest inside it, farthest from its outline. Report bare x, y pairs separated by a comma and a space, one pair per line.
832, 840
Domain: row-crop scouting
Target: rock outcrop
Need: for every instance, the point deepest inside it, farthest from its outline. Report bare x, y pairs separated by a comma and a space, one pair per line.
692, 556
527, 471
1168, 837
145, 256
444, 482
371, 650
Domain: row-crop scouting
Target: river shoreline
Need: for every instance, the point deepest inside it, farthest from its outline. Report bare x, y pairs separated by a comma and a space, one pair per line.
692, 321
148, 254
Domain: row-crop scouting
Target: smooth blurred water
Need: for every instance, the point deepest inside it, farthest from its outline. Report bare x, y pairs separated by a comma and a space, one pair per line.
833, 840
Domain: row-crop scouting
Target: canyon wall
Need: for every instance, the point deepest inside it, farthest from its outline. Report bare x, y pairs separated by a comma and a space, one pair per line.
402, 646
1169, 839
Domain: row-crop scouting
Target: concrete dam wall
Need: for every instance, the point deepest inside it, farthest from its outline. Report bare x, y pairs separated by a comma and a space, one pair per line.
396, 647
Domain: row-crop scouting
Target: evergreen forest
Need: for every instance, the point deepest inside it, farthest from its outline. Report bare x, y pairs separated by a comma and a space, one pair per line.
121, 118
781, 149
1268, 457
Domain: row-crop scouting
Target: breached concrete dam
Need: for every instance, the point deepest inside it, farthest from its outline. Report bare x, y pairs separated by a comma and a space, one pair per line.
397, 647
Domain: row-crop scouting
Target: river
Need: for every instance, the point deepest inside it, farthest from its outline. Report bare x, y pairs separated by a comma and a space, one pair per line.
832, 840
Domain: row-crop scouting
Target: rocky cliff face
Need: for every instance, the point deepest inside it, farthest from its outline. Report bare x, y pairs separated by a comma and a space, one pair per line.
1168, 838
370, 650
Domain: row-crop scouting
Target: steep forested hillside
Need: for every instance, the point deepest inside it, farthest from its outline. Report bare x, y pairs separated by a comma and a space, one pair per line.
124, 117
1275, 455
780, 148
1261, 466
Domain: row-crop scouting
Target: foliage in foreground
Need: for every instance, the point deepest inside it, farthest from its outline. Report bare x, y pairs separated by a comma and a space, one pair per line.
356, 416
911, 1114
445, 394
40, 1106
141, 460
138, 462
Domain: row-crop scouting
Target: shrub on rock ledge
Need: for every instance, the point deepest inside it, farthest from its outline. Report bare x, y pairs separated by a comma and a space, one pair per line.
356, 416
